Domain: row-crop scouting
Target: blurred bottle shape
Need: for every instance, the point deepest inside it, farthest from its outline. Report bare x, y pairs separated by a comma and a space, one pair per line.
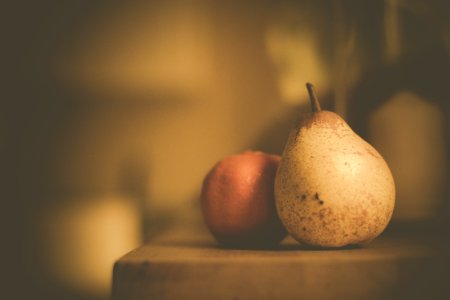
409, 132
399, 106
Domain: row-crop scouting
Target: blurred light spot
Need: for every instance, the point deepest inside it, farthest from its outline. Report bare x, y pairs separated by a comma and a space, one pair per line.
84, 236
408, 131
297, 61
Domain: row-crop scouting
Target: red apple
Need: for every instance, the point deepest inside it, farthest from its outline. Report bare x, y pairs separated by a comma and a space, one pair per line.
238, 201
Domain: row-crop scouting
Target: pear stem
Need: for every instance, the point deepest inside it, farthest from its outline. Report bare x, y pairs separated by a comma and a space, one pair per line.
315, 105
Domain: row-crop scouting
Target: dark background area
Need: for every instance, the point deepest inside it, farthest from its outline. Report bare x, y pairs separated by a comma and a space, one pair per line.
111, 114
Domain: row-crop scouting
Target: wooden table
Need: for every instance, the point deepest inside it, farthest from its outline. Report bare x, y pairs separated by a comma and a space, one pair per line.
187, 264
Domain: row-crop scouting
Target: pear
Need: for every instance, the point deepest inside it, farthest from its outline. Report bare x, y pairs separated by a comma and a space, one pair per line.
332, 188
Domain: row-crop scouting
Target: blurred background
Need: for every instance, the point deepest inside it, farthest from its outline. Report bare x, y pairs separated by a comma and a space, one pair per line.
112, 113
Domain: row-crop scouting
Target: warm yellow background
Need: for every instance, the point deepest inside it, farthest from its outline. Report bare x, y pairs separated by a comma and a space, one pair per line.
113, 113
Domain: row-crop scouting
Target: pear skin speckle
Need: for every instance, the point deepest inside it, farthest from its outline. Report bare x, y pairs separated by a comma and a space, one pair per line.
332, 188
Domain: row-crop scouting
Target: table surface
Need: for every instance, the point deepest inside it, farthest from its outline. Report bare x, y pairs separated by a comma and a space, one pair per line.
188, 264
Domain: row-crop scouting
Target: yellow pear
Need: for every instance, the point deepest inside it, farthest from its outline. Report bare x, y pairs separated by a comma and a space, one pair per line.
332, 188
